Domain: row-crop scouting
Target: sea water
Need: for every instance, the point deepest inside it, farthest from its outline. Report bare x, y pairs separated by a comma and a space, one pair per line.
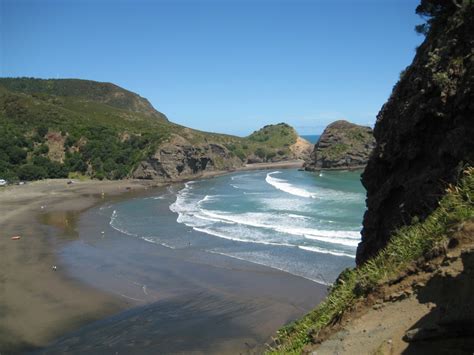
312, 138
307, 224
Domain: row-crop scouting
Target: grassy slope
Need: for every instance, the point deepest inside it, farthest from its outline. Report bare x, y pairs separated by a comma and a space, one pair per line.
93, 119
409, 244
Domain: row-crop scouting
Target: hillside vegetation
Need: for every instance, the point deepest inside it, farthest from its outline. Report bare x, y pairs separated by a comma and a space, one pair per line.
55, 128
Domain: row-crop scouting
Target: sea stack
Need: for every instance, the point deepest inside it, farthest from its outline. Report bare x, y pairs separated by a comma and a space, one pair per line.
343, 145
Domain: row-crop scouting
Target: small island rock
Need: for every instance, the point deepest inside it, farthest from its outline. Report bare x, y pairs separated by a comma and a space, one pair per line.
343, 145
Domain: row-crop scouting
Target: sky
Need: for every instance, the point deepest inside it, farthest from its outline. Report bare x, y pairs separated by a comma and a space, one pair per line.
227, 66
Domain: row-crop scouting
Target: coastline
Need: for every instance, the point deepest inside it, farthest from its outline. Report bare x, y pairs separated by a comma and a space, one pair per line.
348, 168
39, 304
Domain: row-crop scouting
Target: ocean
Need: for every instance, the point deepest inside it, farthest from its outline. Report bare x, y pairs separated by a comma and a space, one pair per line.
306, 224
313, 138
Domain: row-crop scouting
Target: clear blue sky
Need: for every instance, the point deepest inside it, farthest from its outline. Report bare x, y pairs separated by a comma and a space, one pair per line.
227, 66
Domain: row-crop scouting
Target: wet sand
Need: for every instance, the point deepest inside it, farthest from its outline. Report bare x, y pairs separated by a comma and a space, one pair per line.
36, 303
177, 301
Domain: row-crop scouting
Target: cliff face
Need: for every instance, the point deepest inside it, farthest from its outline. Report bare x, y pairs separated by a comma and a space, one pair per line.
343, 145
179, 159
424, 133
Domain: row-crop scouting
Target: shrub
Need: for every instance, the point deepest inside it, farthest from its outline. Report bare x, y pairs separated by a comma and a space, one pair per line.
261, 153
31, 172
271, 155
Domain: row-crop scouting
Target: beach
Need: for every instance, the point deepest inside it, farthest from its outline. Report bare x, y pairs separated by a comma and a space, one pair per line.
37, 303
210, 304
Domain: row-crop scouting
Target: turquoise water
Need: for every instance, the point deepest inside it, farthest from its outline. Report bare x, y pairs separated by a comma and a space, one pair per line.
313, 138
307, 224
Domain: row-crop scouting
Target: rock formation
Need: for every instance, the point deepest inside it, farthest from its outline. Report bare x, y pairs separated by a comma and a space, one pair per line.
343, 145
301, 149
178, 159
424, 133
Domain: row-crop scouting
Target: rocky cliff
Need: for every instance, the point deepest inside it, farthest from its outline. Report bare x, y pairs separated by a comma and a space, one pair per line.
425, 131
343, 145
178, 159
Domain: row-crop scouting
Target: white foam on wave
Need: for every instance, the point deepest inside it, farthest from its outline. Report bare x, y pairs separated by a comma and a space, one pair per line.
154, 241
292, 229
326, 251
237, 239
115, 224
260, 220
321, 194
298, 216
284, 186
181, 205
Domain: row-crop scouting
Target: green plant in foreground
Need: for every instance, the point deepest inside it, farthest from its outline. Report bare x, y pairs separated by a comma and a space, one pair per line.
407, 245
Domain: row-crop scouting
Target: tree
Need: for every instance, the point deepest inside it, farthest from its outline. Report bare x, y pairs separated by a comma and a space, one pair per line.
42, 131
433, 9
31, 172
75, 162
260, 152
56, 170
16, 154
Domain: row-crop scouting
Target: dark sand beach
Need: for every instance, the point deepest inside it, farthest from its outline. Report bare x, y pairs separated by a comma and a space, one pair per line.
115, 293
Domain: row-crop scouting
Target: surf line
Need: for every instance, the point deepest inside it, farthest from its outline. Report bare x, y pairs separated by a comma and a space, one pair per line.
284, 186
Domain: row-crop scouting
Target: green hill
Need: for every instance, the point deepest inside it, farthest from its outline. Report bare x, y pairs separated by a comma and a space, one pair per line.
75, 90
52, 128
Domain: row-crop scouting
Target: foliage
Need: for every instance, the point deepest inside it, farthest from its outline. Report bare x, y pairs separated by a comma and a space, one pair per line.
103, 131
92, 130
260, 152
407, 245
433, 10
31, 172
59, 92
274, 135
335, 150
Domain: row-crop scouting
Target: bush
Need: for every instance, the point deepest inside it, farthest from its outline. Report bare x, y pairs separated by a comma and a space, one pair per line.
42, 131
240, 154
261, 153
31, 172
75, 162
16, 154
42, 149
56, 170
271, 155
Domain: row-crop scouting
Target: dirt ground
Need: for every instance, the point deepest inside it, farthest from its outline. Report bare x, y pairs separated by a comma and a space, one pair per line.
428, 311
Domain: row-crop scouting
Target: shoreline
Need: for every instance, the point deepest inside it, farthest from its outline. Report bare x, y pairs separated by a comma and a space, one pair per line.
42, 304
39, 303
348, 168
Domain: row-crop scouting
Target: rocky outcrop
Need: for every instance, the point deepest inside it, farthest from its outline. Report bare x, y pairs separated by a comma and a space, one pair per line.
424, 132
178, 159
301, 149
343, 145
